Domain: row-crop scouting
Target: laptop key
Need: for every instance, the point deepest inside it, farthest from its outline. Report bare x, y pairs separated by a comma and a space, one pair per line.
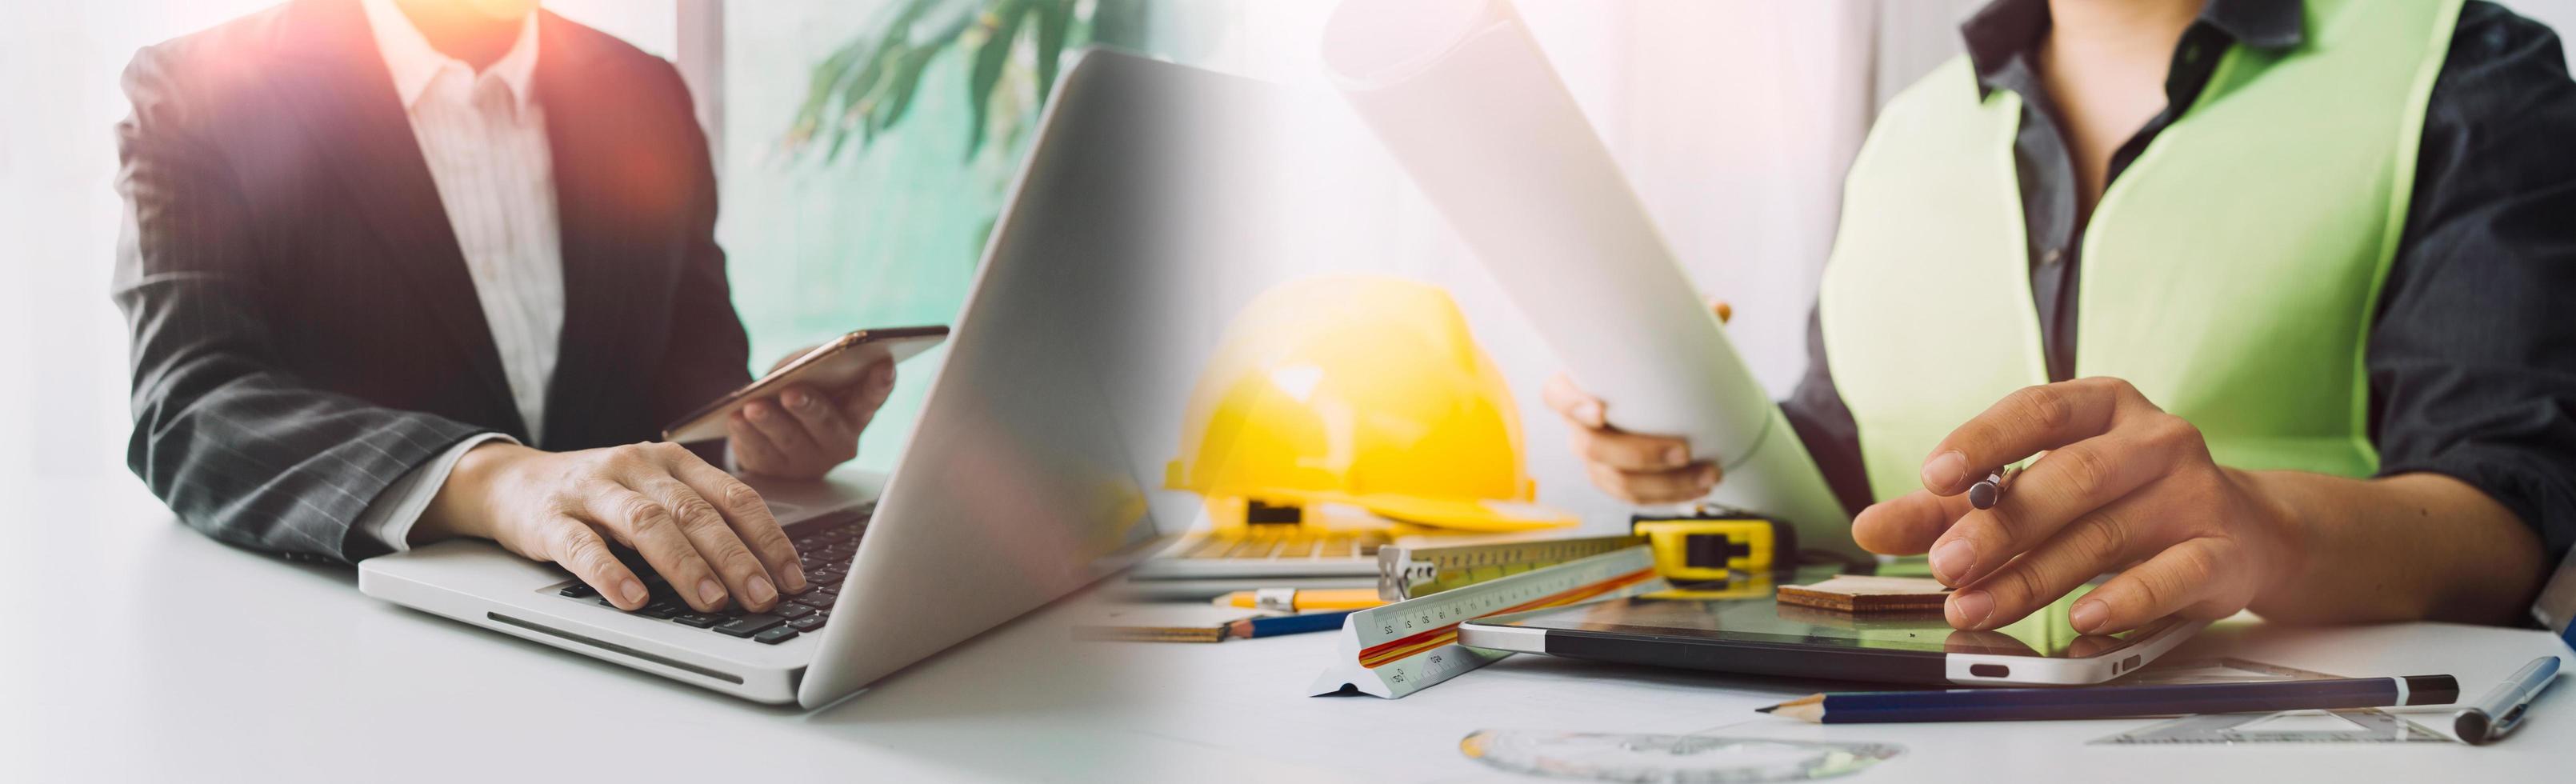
817, 600
577, 591
809, 623
664, 609
749, 625
697, 620
776, 635
791, 610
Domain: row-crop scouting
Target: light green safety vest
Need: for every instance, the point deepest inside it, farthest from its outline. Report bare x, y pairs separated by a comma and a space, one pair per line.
2230, 273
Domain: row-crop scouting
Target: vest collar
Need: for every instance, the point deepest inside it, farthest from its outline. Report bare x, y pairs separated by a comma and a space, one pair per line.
2006, 31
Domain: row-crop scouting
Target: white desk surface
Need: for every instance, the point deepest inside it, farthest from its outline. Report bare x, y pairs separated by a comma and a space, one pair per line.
139, 649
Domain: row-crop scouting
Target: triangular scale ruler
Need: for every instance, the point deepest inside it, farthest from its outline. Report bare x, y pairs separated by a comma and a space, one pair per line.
1401, 648
2366, 725
1408, 572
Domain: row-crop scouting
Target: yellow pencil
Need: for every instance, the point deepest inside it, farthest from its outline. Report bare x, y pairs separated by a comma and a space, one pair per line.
1294, 600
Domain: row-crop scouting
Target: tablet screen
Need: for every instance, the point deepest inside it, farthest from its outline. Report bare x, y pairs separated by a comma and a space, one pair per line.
1754, 617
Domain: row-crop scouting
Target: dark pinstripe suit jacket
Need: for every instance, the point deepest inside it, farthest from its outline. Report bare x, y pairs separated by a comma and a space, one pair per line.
304, 327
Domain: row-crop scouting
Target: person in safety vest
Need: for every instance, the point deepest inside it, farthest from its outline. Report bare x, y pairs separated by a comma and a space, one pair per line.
2281, 294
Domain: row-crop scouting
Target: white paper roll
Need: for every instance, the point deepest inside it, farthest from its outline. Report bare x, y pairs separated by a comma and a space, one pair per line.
1468, 104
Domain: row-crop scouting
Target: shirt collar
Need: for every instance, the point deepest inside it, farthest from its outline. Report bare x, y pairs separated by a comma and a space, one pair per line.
2006, 30
414, 63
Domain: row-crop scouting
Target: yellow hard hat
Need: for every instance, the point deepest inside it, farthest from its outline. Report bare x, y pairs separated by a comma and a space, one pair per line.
1361, 391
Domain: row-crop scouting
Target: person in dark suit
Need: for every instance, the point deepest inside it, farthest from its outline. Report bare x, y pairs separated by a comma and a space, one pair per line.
404, 270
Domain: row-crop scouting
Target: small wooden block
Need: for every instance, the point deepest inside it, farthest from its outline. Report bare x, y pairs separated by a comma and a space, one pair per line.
1866, 594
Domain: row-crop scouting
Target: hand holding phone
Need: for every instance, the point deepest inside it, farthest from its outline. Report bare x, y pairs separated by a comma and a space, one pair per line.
804, 417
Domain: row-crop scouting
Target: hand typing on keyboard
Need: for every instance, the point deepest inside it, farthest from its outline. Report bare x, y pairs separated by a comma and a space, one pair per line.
706, 533
824, 545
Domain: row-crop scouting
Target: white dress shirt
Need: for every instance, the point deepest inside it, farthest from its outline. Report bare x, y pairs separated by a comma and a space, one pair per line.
484, 138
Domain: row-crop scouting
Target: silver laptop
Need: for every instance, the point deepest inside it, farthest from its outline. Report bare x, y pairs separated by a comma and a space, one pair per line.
1013, 490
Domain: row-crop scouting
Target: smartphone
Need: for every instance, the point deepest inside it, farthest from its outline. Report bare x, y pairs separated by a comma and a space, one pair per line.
830, 366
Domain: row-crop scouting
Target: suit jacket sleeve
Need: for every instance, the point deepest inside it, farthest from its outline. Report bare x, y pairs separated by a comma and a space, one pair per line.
709, 354
238, 448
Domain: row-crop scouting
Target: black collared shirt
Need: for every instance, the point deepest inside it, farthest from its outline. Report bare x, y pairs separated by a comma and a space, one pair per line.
2472, 365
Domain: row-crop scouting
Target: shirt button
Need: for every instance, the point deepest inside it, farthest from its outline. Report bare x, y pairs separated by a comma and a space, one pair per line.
2051, 256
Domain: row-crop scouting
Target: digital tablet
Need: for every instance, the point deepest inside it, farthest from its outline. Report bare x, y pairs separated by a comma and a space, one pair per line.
830, 366
1755, 635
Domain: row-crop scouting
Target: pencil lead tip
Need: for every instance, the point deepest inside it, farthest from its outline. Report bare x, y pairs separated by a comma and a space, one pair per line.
1765, 709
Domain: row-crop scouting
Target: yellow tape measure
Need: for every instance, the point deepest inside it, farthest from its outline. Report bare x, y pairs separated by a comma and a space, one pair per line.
1685, 549
1699, 548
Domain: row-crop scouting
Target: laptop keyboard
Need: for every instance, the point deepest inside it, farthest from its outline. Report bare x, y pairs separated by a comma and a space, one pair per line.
824, 544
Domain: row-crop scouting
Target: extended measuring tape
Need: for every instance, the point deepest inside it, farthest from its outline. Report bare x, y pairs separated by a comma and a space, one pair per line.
1414, 572
1693, 549
1402, 648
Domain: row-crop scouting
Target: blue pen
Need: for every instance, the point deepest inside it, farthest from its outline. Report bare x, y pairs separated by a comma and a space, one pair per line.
2502, 709
2104, 702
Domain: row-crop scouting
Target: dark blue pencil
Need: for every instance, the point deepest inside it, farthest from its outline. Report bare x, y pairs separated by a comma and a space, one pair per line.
2103, 702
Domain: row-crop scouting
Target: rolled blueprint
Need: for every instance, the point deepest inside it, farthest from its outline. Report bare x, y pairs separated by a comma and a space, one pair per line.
1462, 96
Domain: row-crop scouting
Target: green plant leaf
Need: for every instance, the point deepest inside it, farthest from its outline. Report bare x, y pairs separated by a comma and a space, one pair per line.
1002, 25
903, 77
901, 82
1055, 20
894, 42
857, 94
818, 93
852, 79
866, 86
1121, 23
953, 19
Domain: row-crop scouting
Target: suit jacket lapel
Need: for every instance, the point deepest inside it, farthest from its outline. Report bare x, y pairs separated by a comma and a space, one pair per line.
612, 257
345, 99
